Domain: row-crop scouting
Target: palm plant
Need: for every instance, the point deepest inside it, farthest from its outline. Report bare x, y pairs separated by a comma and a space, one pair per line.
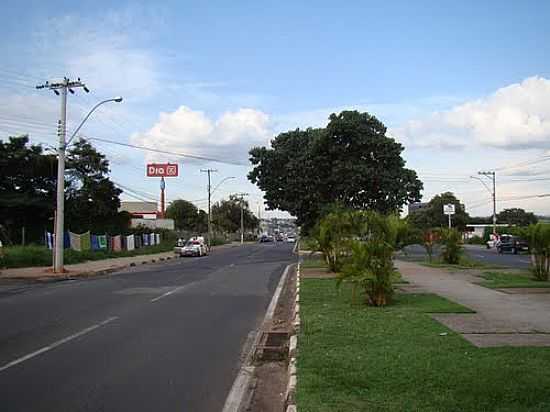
370, 266
539, 244
452, 246
332, 235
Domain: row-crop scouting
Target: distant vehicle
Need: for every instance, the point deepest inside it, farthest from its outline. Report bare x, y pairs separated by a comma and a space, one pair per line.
514, 244
279, 237
291, 239
492, 242
266, 238
193, 247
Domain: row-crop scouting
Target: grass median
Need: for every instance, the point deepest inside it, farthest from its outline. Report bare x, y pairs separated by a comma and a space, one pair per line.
499, 280
358, 358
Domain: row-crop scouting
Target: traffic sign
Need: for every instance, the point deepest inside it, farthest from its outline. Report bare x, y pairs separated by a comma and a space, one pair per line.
449, 209
162, 170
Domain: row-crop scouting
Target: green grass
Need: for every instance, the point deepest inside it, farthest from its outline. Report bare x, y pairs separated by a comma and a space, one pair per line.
465, 263
28, 256
313, 263
358, 358
510, 280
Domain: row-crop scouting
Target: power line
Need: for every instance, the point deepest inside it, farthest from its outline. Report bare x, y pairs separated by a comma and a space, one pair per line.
149, 149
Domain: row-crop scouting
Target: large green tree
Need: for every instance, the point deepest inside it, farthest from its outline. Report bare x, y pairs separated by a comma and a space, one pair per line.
27, 189
28, 180
92, 199
226, 215
351, 162
432, 216
516, 216
187, 216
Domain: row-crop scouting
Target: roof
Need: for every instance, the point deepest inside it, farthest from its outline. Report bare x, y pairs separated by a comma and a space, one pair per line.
138, 207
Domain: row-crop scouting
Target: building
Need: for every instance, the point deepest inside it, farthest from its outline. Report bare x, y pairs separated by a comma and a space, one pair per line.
146, 214
140, 210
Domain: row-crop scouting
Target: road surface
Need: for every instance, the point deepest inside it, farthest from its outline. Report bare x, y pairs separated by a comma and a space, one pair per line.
165, 337
479, 254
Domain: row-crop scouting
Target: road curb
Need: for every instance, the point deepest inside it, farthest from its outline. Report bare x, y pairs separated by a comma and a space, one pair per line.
239, 396
290, 394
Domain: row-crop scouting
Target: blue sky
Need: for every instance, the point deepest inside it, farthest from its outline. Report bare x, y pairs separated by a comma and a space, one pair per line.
463, 85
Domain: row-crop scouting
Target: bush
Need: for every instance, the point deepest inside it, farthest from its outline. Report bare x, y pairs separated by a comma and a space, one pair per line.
475, 240
23, 256
451, 246
539, 244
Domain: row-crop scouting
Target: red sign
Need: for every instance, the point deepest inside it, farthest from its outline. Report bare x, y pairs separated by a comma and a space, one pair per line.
162, 169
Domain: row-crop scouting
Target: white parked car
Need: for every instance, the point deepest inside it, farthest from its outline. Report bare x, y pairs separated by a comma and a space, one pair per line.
193, 247
291, 239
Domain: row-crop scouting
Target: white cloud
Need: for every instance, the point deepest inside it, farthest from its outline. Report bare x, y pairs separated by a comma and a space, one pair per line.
514, 117
192, 132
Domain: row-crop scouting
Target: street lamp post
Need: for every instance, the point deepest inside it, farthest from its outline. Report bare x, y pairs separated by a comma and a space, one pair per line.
60, 204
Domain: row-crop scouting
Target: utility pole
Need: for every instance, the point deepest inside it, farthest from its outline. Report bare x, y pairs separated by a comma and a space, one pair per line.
209, 171
241, 198
61, 88
491, 175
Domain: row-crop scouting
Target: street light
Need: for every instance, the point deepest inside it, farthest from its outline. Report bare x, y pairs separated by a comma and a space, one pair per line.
60, 206
114, 99
223, 180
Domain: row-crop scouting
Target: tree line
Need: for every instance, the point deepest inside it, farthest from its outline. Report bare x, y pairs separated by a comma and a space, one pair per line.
28, 176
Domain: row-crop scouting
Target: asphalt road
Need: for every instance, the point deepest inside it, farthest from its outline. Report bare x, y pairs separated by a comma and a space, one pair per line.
480, 254
165, 337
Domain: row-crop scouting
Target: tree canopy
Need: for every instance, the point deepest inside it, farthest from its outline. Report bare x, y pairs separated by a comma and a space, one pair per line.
516, 216
351, 162
187, 216
226, 215
28, 177
432, 216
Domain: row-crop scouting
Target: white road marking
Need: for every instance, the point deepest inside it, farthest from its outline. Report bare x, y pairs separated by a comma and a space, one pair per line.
168, 293
480, 256
56, 344
525, 260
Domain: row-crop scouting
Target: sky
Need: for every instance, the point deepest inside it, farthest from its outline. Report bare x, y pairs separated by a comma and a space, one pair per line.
464, 86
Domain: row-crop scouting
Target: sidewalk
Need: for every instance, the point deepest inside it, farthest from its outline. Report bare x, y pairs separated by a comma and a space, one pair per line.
501, 319
90, 268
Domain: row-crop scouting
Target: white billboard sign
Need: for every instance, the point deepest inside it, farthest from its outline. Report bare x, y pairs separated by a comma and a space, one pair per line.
449, 209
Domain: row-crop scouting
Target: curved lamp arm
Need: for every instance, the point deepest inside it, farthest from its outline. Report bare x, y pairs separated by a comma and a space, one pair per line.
115, 99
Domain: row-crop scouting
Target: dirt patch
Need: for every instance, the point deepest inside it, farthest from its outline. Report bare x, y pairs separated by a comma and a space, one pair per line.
271, 375
317, 273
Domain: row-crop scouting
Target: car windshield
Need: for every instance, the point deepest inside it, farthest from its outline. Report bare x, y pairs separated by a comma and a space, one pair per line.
192, 243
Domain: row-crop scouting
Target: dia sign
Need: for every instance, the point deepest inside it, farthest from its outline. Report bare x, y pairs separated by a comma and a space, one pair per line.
162, 169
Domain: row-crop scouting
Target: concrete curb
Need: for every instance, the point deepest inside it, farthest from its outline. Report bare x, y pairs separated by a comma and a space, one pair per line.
239, 396
290, 394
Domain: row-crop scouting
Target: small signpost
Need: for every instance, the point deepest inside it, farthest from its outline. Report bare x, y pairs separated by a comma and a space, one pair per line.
449, 210
162, 170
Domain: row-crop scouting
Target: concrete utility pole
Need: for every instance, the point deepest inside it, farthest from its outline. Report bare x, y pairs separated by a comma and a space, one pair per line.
61, 88
209, 171
491, 175
241, 198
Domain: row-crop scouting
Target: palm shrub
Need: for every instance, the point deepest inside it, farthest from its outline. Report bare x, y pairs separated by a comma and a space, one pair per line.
539, 244
452, 250
332, 235
370, 266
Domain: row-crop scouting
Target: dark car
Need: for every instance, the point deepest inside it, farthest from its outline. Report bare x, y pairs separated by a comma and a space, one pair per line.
512, 244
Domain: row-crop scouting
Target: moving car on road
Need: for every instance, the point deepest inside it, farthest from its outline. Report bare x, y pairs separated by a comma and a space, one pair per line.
291, 239
193, 247
514, 244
